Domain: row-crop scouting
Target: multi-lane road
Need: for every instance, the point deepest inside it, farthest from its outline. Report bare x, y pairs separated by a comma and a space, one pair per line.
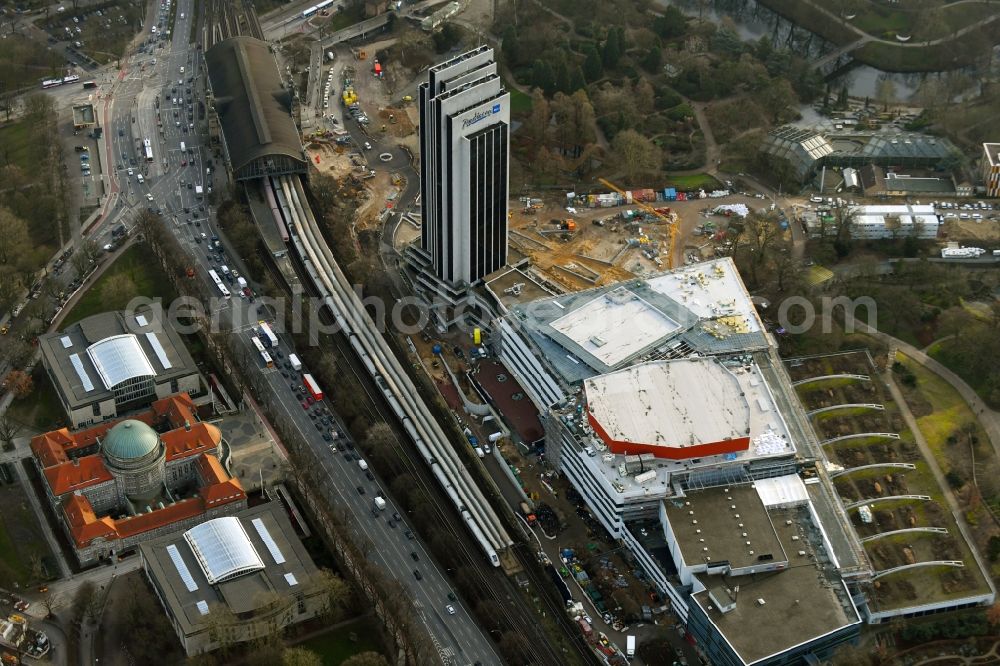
144, 107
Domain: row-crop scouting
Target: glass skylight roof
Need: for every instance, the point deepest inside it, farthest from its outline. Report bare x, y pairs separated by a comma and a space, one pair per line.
118, 359
223, 549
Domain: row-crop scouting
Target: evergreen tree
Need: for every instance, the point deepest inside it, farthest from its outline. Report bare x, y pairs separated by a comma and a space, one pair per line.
593, 68
577, 81
562, 81
511, 47
652, 61
542, 76
612, 49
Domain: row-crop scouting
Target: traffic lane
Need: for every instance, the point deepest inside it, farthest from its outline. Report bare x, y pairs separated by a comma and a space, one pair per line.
434, 590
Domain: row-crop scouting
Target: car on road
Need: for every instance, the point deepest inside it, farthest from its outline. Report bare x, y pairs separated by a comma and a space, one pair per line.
450, 609
305, 405
361, 490
368, 473
416, 574
130, 172
452, 597
414, 556
368, 146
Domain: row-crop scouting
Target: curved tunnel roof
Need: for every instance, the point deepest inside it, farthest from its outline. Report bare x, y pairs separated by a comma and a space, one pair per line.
254, 109
223, 549
119, 358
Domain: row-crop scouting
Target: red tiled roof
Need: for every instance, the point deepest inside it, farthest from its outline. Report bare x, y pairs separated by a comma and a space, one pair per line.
70, 476
222, 493
181, 443
51, 447
84, 524
178, 409
211, 469
172, 513
219, 488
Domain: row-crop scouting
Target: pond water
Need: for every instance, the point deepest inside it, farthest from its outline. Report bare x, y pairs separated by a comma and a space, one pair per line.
753, 21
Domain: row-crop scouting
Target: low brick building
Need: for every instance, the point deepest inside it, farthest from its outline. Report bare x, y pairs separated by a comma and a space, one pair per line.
118, 483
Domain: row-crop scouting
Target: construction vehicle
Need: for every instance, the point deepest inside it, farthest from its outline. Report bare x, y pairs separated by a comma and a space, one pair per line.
672, 228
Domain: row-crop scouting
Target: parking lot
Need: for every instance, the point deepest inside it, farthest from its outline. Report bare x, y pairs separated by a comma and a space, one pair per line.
96, 34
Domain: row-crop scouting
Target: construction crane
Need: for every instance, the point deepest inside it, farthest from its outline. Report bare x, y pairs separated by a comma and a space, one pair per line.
671, 224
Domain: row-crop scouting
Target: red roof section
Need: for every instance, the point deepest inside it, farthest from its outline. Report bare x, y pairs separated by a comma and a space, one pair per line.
84, 524
220, 489
52, 448
172, 513
70, 476
181, 443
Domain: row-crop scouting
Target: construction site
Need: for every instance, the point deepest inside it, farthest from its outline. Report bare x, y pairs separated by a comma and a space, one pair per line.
583, 241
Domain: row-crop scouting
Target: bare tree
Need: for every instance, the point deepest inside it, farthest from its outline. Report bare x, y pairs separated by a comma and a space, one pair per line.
8, 431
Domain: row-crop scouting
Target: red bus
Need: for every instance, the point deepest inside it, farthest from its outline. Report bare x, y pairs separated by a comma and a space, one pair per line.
312, 387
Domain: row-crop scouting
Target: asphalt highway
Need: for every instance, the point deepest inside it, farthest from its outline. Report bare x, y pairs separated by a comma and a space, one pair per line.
145, 108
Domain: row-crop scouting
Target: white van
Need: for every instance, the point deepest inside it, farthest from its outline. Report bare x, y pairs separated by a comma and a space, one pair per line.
363, 465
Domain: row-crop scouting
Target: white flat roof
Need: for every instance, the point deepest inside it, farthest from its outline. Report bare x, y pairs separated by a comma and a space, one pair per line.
784, 490
710, 290
676, 403
616, 325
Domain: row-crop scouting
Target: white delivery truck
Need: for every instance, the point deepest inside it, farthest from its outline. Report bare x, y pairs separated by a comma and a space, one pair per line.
363, 465
379, 503
296, 363
630, 646
242, 282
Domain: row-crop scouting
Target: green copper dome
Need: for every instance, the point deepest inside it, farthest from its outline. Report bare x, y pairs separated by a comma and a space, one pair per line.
130, 440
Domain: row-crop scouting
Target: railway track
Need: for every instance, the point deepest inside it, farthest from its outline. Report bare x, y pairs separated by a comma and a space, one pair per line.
225, 19
490, 583
390, 377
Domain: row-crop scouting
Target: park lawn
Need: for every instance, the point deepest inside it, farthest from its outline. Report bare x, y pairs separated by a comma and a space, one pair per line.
15, 139
335, 646
41, 411
138, 264
354, 13
949, 411
693, 182
12, 569
519, 102
21, 539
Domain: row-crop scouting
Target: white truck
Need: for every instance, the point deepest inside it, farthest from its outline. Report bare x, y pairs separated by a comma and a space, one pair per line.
380, 504
198, 191
296, 363
630, 646
363, 465
242, 282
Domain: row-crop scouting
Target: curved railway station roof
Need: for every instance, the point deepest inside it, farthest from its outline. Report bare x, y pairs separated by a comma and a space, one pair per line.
254, 109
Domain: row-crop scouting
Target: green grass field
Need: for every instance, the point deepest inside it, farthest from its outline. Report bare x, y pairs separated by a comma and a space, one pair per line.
40, 411
949, 411
15, 145
693, 182
336, 646
21, 540
344, 19
139, 265
519, 101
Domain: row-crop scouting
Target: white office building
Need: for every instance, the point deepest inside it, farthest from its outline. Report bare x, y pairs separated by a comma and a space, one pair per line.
464, 154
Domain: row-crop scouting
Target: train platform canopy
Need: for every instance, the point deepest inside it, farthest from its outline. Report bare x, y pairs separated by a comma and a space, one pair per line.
254, 109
